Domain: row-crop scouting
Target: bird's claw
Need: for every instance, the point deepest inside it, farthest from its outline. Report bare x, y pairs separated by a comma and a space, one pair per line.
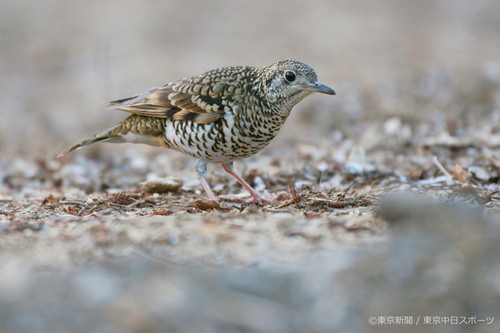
261, 201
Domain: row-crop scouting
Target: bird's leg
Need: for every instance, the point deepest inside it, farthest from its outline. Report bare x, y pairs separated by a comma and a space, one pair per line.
256, 197
201, 168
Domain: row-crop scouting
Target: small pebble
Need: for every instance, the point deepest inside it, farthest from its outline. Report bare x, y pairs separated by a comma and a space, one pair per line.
162, 185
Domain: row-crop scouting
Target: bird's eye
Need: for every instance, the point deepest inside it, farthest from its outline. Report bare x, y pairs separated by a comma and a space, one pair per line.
290, 76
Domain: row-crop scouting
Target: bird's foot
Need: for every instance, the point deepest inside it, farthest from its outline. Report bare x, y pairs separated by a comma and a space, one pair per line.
261, 201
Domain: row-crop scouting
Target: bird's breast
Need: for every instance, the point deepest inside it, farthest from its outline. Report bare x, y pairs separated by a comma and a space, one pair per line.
233, 137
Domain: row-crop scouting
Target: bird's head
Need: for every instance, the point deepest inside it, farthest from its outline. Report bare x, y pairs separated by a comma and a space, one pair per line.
289, 81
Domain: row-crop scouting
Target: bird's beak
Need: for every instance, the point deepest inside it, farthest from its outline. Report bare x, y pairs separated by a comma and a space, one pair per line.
318, 87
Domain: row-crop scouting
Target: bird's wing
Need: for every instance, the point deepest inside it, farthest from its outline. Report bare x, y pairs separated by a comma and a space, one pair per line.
202, 99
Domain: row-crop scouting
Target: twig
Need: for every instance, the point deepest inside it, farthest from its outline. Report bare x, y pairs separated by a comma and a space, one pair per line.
350, 186
295, 197
449, 178
75, 202
136, 202
321, 179
433, 180
491, 197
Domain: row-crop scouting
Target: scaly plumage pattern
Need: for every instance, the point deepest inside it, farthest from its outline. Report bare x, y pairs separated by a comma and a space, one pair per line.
220, 116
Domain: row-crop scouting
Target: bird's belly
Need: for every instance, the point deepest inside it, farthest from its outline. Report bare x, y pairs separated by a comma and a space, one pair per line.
219, 142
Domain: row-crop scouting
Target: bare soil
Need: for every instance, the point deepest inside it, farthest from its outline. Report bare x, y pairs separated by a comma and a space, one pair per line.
386, 197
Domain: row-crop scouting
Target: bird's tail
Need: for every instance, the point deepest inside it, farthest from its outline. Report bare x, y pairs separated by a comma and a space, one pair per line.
107, 135
134, 129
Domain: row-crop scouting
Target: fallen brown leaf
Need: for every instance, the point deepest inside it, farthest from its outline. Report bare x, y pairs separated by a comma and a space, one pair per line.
101, 235
460, 173
208, 205
162, 185
162, 212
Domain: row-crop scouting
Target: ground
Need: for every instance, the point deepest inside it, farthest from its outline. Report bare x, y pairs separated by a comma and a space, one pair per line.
420, 197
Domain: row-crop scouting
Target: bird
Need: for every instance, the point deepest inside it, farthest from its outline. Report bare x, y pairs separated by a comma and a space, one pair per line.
220, 116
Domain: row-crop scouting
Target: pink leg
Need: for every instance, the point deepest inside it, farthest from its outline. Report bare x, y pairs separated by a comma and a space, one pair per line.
207, 188
201, 168
256, 197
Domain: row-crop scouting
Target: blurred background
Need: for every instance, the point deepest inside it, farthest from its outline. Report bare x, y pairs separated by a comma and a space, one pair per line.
62, 61
418, 84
